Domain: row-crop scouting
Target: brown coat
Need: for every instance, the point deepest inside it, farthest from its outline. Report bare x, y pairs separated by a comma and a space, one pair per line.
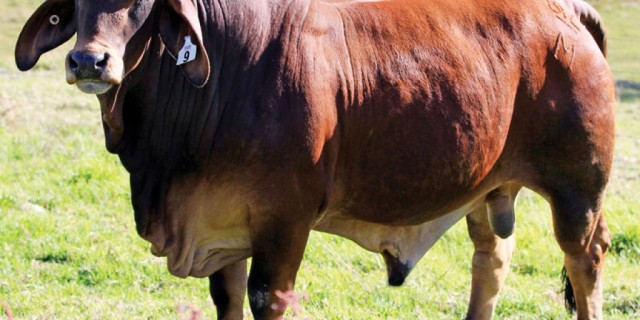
392, 112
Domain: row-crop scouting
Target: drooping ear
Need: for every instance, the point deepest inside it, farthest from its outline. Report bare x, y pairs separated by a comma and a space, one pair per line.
51, 25
179, 20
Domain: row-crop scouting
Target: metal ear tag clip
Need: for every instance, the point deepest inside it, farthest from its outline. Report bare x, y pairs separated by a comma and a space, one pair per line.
54, 19
188, 52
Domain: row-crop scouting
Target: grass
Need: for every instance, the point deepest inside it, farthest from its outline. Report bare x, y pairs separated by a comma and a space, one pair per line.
69, 249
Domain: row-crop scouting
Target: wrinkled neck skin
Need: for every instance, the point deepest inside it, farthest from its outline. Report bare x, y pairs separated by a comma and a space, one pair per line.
173, 130
237, 35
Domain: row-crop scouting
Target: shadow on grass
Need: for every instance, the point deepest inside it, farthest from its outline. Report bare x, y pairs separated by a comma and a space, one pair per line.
627, 90
56, 257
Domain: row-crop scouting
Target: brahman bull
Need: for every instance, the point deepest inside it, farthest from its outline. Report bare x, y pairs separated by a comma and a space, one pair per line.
387, 112
403, 247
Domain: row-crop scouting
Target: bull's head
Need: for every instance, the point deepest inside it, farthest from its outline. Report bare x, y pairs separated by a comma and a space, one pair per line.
113, 36
103, 54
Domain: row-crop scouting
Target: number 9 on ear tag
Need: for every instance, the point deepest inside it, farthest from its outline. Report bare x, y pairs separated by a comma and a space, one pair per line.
188, 52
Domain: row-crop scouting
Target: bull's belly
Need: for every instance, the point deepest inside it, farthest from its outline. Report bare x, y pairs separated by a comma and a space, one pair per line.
397, 190
405, 207
407, 243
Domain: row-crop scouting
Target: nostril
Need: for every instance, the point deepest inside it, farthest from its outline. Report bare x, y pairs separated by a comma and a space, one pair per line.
72, 63
102, 62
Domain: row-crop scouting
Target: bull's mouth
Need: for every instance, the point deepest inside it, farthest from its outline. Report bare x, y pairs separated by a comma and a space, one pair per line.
93, 86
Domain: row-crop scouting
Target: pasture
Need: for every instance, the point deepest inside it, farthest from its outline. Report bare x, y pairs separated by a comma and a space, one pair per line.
69, 249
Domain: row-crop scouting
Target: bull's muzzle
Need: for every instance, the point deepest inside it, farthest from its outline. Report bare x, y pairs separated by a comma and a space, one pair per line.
86, 70
86, 65
92, 72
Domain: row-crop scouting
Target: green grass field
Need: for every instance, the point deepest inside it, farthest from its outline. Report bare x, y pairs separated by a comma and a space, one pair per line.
69, 250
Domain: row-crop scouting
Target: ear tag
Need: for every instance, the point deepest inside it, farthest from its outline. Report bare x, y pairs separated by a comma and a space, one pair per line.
188, 52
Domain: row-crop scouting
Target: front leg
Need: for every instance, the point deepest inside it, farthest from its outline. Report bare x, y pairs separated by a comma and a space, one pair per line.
278, 248
227, 287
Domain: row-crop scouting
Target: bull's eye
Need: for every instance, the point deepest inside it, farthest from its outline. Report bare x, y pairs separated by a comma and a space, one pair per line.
54, 19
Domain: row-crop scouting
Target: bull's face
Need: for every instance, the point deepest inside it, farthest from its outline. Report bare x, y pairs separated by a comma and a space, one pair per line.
97, 62
112, 38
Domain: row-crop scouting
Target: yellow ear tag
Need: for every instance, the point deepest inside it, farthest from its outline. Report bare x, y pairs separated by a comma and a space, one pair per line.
188, 52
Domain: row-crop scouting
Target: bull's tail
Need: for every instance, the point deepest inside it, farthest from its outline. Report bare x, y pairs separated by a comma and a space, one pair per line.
569, 298
592, 20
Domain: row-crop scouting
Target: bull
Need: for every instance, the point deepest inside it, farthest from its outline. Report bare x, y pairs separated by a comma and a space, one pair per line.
403, 247
291, 113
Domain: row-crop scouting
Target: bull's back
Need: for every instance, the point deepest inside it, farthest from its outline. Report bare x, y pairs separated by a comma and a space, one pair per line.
426, 123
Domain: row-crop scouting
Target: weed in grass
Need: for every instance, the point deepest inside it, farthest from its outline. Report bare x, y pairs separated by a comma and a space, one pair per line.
627, 245
7, 202
43, 204
79, 177
55, 257
88, 277
525, 269
4, 288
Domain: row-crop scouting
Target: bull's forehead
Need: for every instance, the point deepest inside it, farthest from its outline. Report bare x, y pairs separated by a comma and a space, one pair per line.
112, 12
110, 22
108, 5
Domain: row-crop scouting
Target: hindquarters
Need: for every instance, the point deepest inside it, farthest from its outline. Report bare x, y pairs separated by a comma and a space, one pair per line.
563, 128
564, 121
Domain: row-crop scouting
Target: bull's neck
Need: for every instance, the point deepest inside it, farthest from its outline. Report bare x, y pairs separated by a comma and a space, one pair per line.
171, 123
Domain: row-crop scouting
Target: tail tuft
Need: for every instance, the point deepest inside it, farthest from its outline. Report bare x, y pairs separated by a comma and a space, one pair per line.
569, 298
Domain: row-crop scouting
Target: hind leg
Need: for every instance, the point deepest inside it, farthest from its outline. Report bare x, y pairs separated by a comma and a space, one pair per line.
583, 235
491, 260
